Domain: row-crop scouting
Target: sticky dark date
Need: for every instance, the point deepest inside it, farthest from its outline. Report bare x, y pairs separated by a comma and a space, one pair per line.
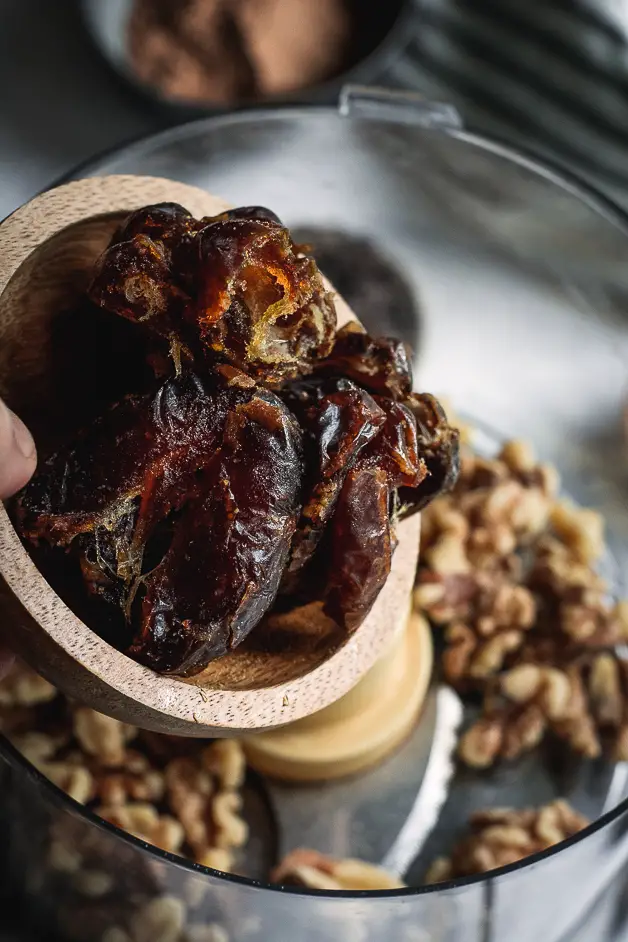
217, 473
224, 565
439, 446
232, 287
185, 509
361, 538
338, 419
381, 365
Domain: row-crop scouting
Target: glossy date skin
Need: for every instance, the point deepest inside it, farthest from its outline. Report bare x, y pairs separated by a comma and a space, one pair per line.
338, 419
215, 475
270, 454
380, 365
231, 288
362, 534
439, 445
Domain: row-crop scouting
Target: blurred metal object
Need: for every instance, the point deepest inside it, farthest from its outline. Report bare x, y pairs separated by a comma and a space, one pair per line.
356, 816
384, 30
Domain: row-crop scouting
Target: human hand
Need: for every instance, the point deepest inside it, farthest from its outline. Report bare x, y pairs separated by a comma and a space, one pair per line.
17, 464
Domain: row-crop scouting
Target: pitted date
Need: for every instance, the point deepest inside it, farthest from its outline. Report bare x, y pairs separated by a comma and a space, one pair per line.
180, 507
361, 547
362, 532
439, 446
233, 288
271, 454
222, 570
381, 365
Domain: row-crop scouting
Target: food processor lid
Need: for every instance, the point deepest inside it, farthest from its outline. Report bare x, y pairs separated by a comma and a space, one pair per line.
484, 208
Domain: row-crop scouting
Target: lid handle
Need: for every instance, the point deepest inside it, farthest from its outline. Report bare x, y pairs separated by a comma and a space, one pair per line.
410, 107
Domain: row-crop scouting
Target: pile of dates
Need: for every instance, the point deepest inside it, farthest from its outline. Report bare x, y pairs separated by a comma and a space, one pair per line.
270, 459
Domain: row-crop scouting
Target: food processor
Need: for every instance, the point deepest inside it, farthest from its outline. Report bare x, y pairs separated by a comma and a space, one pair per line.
518, 283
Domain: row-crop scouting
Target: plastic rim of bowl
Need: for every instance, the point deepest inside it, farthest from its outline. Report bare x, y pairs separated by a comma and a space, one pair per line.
10, 755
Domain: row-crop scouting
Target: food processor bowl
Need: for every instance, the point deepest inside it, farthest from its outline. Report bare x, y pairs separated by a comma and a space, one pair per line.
510, 282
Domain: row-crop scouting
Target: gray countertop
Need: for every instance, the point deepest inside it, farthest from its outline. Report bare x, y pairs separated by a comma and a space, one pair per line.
59, 102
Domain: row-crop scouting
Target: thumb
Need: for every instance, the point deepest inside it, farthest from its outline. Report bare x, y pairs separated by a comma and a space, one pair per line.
17, 453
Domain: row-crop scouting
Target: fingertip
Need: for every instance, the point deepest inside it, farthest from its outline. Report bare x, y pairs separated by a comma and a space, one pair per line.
18, 456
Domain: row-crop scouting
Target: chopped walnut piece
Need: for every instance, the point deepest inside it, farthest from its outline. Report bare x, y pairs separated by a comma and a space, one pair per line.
144, 821
225, 759
190, 789
216, 858
38, 748
181, 795
584, 703
117, 788
581, 530
209, 814
482, 743
497, 619
504, 732
443, 598
161, 920
312, 869
231, 829
605, 690
23, 687
447, 556
518, 456
549, 687
502, 836
102, 736
75, 780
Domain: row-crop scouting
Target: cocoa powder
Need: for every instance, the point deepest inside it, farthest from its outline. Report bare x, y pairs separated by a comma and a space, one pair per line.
226, 51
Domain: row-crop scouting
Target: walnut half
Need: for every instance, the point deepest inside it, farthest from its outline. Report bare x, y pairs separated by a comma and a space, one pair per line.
501, 836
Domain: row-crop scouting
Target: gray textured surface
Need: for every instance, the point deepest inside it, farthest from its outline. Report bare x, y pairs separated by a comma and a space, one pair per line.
59, 102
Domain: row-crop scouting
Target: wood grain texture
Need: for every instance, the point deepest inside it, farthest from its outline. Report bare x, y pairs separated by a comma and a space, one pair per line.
290, 667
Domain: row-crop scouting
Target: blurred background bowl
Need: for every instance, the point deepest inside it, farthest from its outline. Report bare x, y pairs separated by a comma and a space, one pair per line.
379, 33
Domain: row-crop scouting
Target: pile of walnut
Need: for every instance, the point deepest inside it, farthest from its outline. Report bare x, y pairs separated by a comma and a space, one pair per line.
178, 794
267, 452
502, 836
508, 574
184, 796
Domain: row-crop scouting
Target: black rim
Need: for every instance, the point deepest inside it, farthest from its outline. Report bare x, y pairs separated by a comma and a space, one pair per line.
547, 168
60, 799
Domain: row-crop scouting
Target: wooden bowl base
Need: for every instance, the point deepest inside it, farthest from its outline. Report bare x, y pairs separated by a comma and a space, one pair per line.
362, 727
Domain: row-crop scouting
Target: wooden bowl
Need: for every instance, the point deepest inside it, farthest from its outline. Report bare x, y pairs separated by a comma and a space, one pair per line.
50, 371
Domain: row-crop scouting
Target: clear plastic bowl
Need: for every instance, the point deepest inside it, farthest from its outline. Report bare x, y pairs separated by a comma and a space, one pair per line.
521, 283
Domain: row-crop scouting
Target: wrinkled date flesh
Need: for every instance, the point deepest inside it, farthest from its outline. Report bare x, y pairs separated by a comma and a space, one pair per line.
271, 454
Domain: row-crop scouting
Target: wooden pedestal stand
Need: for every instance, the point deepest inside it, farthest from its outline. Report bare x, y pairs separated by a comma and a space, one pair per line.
360, 728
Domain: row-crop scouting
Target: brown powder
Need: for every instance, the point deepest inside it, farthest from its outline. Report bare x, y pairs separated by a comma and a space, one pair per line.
225, 51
